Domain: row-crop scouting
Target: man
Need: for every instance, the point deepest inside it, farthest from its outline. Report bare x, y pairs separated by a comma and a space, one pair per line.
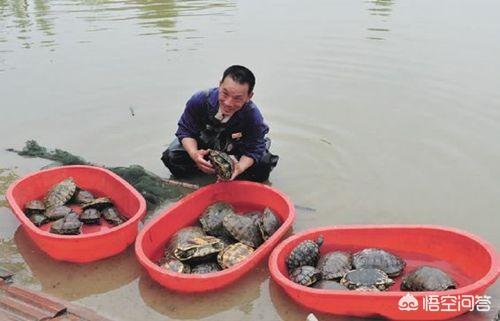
223, 119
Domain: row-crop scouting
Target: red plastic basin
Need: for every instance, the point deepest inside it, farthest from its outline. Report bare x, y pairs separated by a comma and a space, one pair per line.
469, 260
244, 196
96, 241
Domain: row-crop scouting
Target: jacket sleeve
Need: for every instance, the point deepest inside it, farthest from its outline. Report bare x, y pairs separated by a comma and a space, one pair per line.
189, 123
253, 141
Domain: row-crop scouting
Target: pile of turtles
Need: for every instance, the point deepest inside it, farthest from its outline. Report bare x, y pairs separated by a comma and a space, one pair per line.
370, 269
62, 204
223, 239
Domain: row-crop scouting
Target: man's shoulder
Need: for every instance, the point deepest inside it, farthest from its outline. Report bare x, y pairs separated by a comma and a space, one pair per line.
252, 111
200, 97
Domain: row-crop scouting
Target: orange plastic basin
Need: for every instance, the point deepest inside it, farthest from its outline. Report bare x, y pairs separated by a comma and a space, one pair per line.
469, 260
244, 196
96, 241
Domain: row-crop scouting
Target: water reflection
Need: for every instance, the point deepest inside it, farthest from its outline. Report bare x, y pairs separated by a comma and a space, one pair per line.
379, 8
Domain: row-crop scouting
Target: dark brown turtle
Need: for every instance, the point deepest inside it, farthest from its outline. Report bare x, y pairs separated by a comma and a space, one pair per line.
222, 163
306, 253
305, 275
60, 193
83, 196
334, 265
38, 219
112, 216
373, 258
181, 237
57, 212
268, 224
198, 249
329, 285
69, 225
211, 219
427, 278
204, 268
91, 216
243, 229
98, 203
255, 216
173, 264
34, 207
366, 279
234, 254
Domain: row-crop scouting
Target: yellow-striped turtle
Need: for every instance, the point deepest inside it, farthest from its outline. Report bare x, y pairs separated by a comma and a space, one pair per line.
68, 225
306, 253
83, 196
427, 278
112, 216
60, 193
91, 216
374, 258
34, 207
305, 275
198, 249
173, 264
98, 203
234, 254
366, 280
334, 265
222, 163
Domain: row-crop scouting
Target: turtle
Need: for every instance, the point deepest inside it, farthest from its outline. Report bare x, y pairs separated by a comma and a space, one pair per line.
112, 216
334, 265
222, 163
306, 253
234, 254
329, 285
68, 225
60, 193
198, 249
427, 278
204, 268
181, 236
268, 224
38, 219
57, 212
83, 196
243, 229
173, 264
91, 216
366, 280
374, 258
34, 207
211, 219
98, 203
305, 275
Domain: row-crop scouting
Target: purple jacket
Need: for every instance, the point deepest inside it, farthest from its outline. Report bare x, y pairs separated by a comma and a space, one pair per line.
244, 132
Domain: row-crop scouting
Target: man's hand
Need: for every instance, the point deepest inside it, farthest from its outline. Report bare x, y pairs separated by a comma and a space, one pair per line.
199, 159
240, 166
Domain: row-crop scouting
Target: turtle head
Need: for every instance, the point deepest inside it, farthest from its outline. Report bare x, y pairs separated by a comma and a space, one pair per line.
320, 240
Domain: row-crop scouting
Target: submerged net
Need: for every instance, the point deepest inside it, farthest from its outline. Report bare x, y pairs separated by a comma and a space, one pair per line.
152, 187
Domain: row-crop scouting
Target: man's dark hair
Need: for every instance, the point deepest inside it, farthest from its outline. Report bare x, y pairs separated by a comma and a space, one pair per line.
241, 75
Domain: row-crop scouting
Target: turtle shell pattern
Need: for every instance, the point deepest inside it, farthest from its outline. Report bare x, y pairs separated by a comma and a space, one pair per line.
427, 278
329, 285
198, 248
60, 193
211, 219
222, 163
100, 204
366, 279
91, 216
373, 258
204, 268
234, 254
112, 216
173, 264
69, 225
334, 265
306, 253
57, 212
268, 224
34, 207
305, 275
243, 229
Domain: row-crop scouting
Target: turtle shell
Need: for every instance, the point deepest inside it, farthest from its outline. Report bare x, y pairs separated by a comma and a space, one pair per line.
69, 225
222, 163
34, 207
334, 265
373, 258
329, 285
57, 212
60, 193
198, 249
38, 219
91, 216
83, 196
233, 254
98, 203
243, 229
306, 253
427, 278
211, 219
305, 275
173, 264
181, 237
204, 268
112, 216
366, 279
268, 224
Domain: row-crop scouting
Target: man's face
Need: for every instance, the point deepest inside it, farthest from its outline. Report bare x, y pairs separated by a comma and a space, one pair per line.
232, 96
